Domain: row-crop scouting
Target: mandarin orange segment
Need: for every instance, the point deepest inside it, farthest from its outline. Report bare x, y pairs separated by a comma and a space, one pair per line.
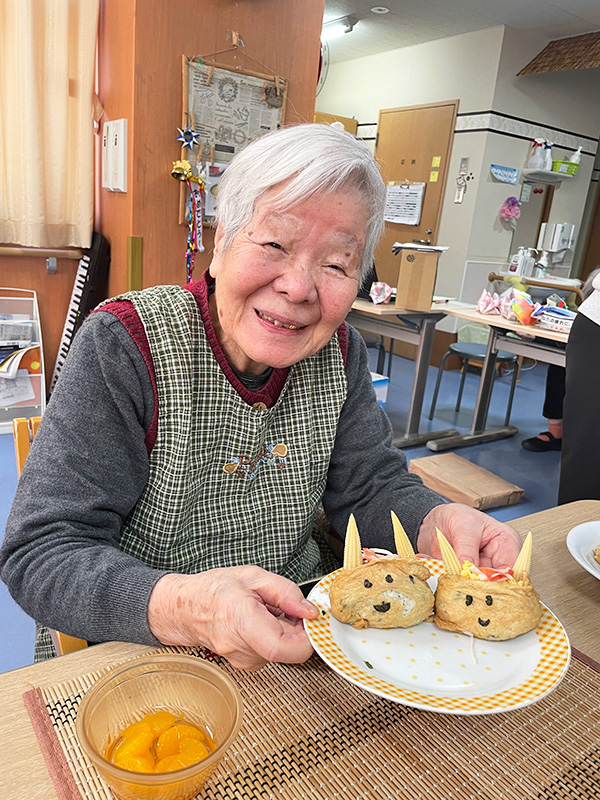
167, 764
135, 742
176, 744
188, 731
134, 729
142, 763
160, 721
193, 750
168, 743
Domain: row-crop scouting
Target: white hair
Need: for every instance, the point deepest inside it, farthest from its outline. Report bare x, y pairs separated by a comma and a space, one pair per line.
303, 160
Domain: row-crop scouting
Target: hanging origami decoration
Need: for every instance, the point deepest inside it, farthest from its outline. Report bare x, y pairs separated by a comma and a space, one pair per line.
188, 137
182, 171
510, 211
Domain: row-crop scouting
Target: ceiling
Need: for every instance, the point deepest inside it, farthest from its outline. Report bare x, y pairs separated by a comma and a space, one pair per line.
411, 22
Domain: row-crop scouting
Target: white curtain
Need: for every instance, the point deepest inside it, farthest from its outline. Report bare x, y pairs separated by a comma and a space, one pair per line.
47, 58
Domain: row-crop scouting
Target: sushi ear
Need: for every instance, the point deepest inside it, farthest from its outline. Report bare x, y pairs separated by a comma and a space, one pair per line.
523, 562
352, 546
451, 562
403, 546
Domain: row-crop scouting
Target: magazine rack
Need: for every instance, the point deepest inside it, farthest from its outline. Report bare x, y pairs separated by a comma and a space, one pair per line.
25, 395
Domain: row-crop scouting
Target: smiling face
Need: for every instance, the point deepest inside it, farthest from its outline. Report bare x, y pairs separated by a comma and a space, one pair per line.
385, 593
488, 610
287, 280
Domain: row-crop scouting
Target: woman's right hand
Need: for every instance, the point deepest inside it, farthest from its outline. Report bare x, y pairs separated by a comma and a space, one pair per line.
246, 614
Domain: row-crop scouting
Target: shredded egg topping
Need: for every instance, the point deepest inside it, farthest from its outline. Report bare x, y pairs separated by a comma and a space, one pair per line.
473, 573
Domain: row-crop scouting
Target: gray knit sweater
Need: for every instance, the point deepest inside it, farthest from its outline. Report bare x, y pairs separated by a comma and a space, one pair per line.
89, 464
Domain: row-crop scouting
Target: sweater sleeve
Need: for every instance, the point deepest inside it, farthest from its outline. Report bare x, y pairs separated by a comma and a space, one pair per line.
87, 467
368, 476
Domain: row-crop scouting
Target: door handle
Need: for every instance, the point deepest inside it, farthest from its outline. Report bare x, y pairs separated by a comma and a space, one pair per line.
422, 241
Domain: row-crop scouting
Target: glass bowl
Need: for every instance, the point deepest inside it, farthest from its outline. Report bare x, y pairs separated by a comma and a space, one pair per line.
185, 685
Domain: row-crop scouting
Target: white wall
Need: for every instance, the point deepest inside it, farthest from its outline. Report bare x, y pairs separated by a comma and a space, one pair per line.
567, 100
462, 66
480, 70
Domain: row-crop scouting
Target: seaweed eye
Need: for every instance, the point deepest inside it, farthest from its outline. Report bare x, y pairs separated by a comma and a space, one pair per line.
368, 584
488, 600
411, 578
468, 600
389, 579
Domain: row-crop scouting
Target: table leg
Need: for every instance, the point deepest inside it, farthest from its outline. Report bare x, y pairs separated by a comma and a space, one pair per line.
478, 433
412, 437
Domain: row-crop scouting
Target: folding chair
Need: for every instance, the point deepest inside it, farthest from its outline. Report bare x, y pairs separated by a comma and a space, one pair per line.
23, 432
471, 351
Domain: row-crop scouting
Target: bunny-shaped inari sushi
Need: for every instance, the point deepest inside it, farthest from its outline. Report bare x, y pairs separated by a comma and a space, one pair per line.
387, 592
490, 604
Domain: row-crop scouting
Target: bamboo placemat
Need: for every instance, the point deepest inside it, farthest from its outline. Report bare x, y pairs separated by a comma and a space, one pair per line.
308, 733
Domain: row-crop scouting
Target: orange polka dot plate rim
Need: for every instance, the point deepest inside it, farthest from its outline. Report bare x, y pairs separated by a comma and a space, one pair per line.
435, 670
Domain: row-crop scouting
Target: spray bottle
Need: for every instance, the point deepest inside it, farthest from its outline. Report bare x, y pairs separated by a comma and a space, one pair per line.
576, 156
541, 268
536, 159
528, 263
548, 156
516, 262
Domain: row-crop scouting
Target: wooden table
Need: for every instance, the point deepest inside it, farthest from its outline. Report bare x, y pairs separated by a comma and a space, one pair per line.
501, 336
413, 327
565, 587
571, 592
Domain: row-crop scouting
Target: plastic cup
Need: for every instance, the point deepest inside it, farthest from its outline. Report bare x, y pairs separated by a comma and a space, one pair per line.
182, 684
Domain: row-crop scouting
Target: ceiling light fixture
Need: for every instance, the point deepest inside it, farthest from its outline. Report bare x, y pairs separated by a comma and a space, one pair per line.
337, 27
380, 10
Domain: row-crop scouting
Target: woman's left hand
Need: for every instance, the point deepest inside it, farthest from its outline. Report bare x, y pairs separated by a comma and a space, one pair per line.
475, 536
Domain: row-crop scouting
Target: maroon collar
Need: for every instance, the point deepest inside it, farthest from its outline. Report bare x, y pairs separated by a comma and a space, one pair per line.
268, 394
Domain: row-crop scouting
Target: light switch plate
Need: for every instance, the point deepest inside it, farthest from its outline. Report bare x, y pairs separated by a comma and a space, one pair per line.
119, 156
107, 151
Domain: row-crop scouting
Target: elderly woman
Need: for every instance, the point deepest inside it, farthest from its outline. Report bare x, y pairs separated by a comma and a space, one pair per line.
171, 492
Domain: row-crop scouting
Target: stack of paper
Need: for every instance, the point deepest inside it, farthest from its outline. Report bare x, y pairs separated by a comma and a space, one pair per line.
16, 332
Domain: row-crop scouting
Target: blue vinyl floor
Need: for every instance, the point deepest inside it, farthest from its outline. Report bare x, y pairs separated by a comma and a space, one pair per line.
536, 473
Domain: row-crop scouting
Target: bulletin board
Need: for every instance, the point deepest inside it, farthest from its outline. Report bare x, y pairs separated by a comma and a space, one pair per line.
226, 108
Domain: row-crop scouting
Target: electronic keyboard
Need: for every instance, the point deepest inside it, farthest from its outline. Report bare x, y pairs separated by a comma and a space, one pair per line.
89, 289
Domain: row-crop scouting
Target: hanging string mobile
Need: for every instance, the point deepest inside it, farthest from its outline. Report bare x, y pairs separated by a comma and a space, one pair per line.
182, 171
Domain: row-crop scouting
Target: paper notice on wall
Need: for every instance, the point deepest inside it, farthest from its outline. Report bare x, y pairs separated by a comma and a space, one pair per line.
230, 109
404, 202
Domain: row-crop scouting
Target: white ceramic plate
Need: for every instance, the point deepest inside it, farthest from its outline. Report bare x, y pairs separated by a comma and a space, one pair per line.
435, 670
581, 541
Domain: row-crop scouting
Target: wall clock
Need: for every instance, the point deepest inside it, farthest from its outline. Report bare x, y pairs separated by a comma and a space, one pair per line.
323, 66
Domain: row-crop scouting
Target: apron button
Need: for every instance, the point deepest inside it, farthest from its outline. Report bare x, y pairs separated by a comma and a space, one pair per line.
259, 406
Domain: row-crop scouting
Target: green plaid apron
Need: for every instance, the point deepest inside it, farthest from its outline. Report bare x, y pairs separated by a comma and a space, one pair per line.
229, 483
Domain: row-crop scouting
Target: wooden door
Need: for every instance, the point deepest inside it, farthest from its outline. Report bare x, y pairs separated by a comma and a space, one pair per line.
414, 145
349, 123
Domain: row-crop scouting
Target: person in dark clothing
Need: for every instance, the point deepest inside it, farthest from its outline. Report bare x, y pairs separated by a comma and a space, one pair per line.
552, 411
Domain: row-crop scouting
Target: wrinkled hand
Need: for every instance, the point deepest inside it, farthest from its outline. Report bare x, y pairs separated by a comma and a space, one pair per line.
475, 536
246, 614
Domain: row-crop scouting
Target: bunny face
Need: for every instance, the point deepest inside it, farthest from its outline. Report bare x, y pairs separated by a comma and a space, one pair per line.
487, 609
384, 593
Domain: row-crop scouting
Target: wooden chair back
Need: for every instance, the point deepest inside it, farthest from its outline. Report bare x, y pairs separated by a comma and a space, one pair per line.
23, 432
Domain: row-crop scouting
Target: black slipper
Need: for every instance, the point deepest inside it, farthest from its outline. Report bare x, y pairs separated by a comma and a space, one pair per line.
537, 445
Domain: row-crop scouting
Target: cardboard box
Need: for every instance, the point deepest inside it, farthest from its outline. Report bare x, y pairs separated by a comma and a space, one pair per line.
416, 279
463, 482
380, 384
